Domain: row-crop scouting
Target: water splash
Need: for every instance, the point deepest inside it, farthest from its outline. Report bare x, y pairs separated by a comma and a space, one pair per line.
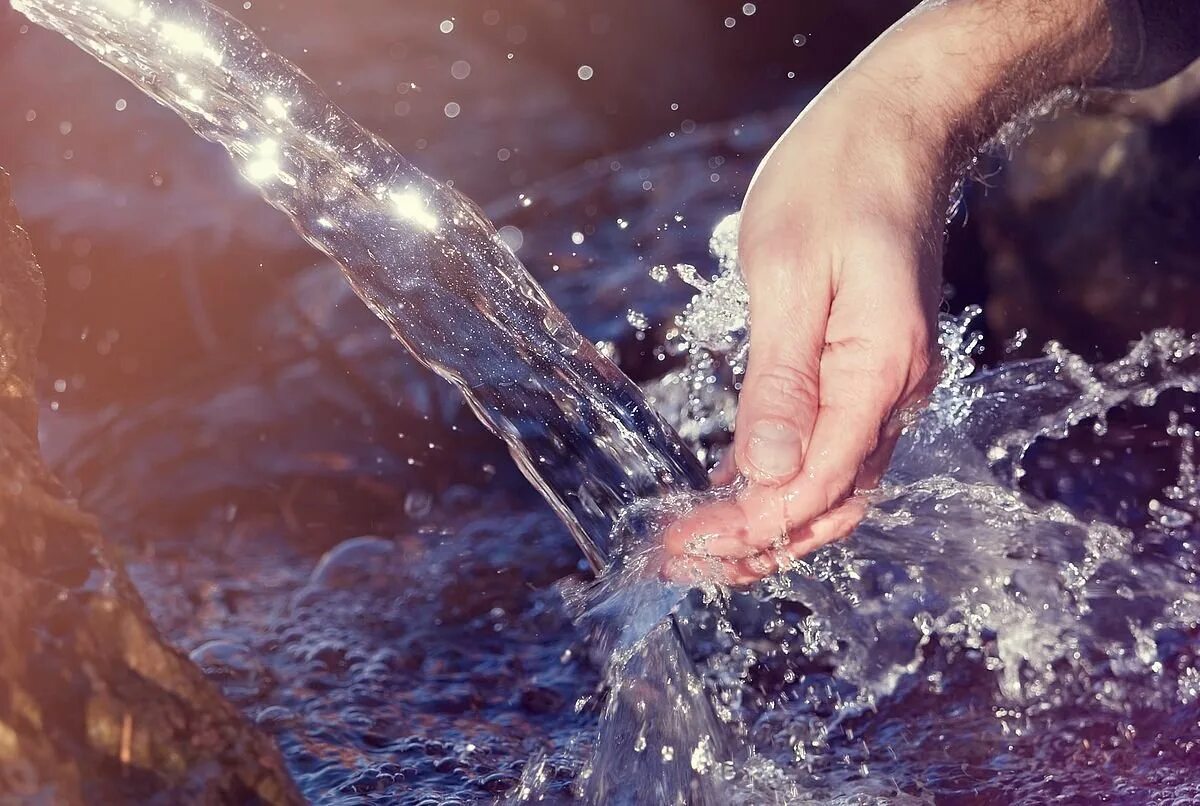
954, 560
955, 576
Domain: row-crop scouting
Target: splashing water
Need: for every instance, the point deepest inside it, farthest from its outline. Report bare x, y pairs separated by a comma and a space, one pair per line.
953, 563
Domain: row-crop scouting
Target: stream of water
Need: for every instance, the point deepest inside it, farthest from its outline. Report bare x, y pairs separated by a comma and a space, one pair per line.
427, 261
422, 256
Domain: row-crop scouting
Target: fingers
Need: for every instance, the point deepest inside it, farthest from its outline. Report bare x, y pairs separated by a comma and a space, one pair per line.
717, 529
725, 471
742, 569
851, 441
789, 310
846, 433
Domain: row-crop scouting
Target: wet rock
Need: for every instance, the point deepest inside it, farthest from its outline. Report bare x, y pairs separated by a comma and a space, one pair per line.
94, 706
1090, 235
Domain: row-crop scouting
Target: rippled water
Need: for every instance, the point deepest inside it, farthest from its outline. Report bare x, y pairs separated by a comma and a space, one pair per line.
1016, 620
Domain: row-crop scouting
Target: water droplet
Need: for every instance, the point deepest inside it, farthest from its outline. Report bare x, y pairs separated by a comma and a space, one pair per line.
512, 236
418, 504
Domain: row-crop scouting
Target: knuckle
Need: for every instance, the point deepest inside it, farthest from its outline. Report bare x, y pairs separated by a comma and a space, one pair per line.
787, 388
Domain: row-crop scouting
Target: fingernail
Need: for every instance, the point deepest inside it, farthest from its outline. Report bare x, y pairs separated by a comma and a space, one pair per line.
773, 450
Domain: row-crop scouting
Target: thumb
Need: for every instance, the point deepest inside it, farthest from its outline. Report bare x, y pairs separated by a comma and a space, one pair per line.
780, 393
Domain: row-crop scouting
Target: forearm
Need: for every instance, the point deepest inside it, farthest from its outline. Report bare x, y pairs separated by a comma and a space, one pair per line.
951, 73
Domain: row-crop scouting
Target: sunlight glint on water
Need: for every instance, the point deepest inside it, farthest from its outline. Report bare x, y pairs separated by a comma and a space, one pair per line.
426, 260
420, 254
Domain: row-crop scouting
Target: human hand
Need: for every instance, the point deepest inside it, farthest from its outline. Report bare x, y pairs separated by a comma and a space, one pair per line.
841, 247
840, 244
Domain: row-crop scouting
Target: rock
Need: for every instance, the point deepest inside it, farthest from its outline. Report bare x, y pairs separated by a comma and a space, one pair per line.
1092, 233
94, 706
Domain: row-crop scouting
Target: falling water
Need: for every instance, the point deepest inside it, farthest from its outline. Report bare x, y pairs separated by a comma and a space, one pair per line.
426, 260
420, 254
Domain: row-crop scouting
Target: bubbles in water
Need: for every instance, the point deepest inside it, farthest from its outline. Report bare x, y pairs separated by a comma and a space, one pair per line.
962, 606
637, 320
353, 562
1189, 686
418, 504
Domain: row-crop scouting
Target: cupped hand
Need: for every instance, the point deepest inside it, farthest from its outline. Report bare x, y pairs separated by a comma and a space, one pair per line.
841, 247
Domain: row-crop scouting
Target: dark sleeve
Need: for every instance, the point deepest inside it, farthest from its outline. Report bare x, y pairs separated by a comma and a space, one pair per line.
1152, 40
